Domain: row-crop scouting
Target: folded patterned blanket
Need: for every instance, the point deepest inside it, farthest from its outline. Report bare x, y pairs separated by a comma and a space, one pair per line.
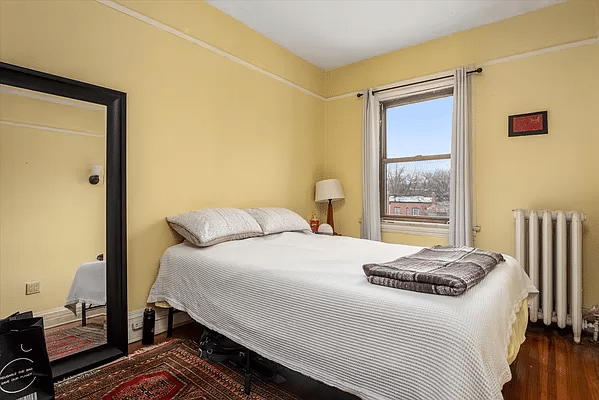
446, 270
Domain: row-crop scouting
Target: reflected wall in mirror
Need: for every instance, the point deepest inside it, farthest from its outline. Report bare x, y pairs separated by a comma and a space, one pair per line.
55, 221
52, 217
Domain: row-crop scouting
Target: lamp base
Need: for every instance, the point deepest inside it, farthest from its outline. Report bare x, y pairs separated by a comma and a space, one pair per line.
330, 216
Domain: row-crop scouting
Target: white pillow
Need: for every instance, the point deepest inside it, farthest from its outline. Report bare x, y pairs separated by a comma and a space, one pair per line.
275, 220
215, 225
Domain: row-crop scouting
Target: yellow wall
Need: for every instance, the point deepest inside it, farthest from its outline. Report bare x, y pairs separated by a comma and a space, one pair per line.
51, 217
554, 171
202, 130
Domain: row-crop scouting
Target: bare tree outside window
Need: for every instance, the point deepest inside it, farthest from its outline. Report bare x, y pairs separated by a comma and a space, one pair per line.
401, 182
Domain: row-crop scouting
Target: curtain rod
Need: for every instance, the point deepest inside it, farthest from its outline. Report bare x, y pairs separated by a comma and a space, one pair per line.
478, 71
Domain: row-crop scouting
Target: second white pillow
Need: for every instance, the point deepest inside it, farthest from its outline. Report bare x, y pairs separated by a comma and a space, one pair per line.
275, 220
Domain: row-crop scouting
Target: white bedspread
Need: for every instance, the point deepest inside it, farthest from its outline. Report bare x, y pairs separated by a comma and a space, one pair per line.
303, 301
88, 286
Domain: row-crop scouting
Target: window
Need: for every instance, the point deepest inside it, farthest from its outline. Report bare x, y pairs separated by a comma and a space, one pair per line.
416, 155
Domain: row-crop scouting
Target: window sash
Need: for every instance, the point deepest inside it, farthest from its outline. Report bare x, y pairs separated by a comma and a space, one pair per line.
398, 102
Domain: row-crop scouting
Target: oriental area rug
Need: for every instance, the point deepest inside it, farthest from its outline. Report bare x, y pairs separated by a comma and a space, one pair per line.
170, 370
66, 340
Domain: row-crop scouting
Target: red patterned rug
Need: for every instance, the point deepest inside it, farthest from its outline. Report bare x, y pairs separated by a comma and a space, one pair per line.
63, 341
170, 370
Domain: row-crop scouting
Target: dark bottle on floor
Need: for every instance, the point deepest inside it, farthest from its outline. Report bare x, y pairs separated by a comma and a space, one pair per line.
148, 326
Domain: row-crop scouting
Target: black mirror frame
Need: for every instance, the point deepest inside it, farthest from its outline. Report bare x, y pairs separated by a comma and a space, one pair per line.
116, 215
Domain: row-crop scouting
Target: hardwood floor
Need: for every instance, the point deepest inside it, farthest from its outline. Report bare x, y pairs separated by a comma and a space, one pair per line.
549, 366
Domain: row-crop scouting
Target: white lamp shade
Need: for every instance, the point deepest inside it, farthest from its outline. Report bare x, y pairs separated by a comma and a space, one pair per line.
329, 189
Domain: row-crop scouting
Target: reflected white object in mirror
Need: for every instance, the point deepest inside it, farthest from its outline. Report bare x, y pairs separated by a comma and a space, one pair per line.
95, 175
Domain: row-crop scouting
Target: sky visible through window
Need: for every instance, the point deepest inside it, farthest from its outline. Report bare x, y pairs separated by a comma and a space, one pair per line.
420, 128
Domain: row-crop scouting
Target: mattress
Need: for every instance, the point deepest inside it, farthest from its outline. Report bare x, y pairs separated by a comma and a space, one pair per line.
302, 300
88, 285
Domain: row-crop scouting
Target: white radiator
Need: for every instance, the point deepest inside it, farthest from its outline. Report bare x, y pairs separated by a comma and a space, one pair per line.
549, 248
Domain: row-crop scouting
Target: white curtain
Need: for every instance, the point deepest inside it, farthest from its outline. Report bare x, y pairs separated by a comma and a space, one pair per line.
371, 215
460, 213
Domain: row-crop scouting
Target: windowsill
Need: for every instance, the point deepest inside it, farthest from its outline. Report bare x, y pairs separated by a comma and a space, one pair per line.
416, 228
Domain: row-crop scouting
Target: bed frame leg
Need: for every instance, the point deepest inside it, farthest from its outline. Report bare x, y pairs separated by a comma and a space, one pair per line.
169, 328
248, 372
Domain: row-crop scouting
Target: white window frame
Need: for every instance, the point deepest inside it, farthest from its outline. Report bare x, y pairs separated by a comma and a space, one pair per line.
424, 228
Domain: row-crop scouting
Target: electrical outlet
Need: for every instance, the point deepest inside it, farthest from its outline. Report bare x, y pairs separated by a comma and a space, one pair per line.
135, 325
32, 287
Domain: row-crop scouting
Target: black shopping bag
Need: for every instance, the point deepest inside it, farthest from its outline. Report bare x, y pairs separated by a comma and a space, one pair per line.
25, 372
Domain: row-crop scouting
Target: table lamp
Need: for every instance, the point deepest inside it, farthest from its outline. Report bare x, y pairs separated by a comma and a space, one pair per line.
329, 190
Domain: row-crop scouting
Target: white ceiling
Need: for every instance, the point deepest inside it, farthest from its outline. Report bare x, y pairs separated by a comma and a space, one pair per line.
333, 33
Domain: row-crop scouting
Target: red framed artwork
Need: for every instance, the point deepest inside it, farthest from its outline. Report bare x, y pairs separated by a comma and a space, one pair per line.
527, 124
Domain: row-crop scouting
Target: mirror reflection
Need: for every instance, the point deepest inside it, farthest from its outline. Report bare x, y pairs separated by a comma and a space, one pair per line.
52, 216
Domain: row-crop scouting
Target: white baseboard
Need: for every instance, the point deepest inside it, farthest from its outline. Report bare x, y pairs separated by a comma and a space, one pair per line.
62, 315
161, 324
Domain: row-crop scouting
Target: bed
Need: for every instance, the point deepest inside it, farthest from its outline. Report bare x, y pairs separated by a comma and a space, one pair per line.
88, 288
302, 300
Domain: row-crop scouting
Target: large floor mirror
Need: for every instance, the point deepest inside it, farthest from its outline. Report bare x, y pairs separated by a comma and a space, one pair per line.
63, 214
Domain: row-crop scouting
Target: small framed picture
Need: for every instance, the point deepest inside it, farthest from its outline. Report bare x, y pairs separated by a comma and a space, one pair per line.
527, 124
